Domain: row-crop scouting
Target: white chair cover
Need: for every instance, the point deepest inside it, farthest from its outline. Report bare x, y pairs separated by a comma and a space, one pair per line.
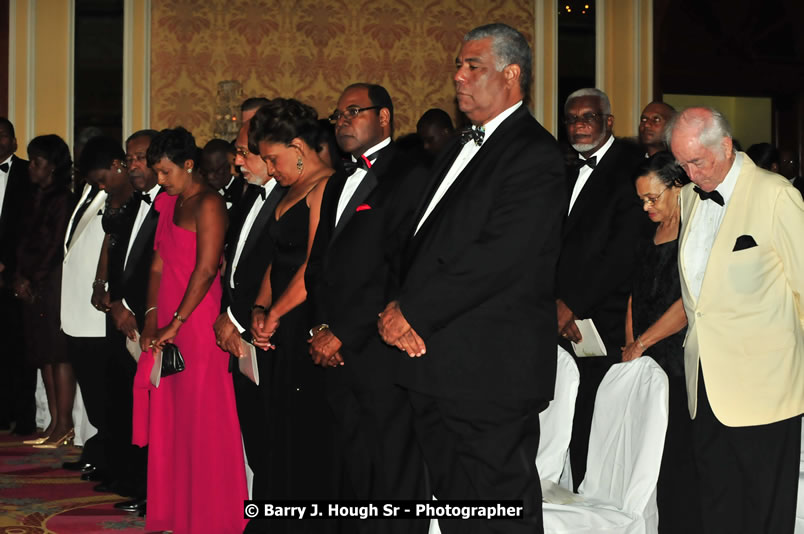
556, 421
618, 494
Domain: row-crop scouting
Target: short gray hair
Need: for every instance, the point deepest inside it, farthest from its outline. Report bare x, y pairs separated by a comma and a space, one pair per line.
509, 48
605, 103
713, 129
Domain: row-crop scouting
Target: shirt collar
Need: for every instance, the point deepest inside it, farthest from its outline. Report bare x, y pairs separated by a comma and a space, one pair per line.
152, 191
8, 161
726, 187
494, 123
600, 151
379, 146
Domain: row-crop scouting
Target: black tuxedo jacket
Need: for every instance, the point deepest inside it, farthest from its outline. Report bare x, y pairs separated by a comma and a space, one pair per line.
137, 270
349, 274
257, 254
478, 277
19, 191
598, 252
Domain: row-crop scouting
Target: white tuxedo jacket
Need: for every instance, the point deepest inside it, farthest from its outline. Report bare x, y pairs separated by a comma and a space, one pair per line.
78, 317
745, 329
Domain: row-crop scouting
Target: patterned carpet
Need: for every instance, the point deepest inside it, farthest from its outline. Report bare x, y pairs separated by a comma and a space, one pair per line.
38, 496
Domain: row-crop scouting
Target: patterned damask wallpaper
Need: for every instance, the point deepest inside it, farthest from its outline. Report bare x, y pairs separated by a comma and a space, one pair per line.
311, 50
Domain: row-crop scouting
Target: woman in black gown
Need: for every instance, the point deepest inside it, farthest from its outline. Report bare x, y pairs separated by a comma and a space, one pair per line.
38, 281
302, 461
655, 326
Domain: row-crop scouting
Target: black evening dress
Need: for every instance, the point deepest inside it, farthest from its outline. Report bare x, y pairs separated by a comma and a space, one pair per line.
117, 224
302, 459
657, 286
39, 260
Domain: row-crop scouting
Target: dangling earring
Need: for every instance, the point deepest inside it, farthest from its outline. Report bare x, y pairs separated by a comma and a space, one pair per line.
119, 170
299, 165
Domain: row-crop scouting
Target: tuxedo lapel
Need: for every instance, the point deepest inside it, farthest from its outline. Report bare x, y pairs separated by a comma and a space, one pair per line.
91, 212
362, 192
266, 212
688, 208
143, 237
594, 187
488, 149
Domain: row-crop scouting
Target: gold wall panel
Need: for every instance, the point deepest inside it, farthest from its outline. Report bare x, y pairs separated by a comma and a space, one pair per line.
311, 50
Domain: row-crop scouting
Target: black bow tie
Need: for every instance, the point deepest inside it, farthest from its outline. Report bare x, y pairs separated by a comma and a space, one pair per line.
714, 196
145, 197
260, 190
473, 133
4, 167
591, 162
362, 163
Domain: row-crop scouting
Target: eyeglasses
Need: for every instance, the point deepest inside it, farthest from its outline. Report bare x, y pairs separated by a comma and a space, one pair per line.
586, 118
242, 152
349, 113
650, 201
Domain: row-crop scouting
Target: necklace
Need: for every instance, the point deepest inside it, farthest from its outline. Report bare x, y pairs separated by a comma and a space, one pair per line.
183, 200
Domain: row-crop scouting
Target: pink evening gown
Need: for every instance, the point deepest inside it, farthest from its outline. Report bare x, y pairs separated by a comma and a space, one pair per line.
196, 471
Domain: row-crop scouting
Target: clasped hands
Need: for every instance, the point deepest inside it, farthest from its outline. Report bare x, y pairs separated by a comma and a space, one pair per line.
325, 347
395, 330
227, 335
263, 326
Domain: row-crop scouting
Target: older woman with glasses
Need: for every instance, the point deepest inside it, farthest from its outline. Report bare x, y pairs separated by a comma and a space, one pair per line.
655, 325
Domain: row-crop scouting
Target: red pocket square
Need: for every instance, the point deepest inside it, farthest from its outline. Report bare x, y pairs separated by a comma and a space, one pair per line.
362, 207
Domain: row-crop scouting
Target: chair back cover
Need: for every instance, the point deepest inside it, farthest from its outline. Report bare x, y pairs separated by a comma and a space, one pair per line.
627, 436
556, 421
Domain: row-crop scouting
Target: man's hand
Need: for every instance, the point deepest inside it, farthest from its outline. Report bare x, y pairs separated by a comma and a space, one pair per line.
395, 330
123, 319
566, 322
100, 298
325, 348
227, 336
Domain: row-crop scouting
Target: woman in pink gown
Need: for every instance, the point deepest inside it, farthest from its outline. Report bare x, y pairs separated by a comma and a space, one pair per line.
196, 472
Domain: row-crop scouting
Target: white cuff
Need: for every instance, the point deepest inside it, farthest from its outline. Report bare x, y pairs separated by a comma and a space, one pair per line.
125, 305
234, 321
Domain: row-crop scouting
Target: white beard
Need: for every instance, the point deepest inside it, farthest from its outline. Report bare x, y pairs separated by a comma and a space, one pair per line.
586, 147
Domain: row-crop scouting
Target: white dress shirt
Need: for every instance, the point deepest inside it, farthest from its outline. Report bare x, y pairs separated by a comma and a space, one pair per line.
356, 178
586, 171
4, 183
704, 226
466, 154
241, 241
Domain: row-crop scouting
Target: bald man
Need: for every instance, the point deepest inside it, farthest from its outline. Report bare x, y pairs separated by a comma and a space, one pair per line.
652, 124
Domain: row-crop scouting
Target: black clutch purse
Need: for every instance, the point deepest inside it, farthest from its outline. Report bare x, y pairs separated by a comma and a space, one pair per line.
172, 360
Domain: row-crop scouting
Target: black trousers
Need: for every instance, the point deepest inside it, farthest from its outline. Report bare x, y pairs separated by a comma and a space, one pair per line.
380, 457
89, 357
748, 475
591, 371
17, 374
482, 450
127, 462
251, 410
677, 492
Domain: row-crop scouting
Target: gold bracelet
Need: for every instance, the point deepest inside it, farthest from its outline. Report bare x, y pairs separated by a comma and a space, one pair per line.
641, 345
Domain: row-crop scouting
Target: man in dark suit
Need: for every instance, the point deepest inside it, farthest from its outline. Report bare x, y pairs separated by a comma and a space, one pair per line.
127, 314
598, 250
347, 280
249, 252
218, 165
18, 382
476, 307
